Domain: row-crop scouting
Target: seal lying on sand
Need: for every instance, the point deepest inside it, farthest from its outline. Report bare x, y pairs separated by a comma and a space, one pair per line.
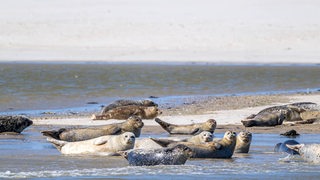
123, 112
223, 148
276, 115
176, 155
133, 124
14, 124
104, 145
124, 102
309, 152
203, 137
282, 147
243, 142
191, 129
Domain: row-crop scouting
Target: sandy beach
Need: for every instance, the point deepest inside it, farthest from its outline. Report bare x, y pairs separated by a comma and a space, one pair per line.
228, 111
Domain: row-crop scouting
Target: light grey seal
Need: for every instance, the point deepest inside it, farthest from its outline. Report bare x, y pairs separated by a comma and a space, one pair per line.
282, 147
123, 112
191, 129
309, 152
125, 102
14, 124
176, 155
105, 145
133, 124
243, 143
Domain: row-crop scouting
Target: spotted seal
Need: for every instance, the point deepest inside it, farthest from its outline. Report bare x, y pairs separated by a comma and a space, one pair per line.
282, 147
309, 152
191, 129
176, 155
15, 124
243, 142
126, 102
105, 145
133, 124
123, 112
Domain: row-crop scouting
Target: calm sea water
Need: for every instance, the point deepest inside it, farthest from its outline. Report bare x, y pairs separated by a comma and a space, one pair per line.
36, 86
30, 156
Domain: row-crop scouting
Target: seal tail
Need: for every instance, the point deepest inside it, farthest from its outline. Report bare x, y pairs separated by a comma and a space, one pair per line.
53, 134
166, 126
57, 143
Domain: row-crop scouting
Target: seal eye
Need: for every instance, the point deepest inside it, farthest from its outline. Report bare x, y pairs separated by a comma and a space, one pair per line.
126, 136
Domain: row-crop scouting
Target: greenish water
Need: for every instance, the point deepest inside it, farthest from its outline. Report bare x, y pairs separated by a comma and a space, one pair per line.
37, 86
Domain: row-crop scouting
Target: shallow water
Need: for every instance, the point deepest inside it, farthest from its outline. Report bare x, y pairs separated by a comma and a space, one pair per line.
30, 156
37, 86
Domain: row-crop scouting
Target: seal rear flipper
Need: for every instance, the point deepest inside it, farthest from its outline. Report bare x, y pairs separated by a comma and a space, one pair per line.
163, 142
164, 125
53, 134
57, 143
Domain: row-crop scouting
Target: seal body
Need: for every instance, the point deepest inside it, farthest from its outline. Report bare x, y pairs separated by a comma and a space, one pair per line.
104, 145
243, 142
124, 102
191, 129
282, 147
14, 124
133, 124
309, 152
146, 143
176, 155
124, 112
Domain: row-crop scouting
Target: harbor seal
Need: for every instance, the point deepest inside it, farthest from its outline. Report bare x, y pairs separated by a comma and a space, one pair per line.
291, 133
105, 145
282, 147
15, 124
276, 115
133, 124
125, 102
309, 152
176, 155
191, 129
123, 112
203, 137
243, 142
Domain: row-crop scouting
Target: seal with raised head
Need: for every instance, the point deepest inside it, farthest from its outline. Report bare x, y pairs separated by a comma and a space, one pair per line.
243, 142
309, 152
125, 102
282, 147
15, 124
123, 112
105, 145
176, 155
133, 124
191, 129
203, 137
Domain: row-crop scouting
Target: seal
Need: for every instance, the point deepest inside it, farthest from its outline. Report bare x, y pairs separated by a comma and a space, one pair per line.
125, 102
191, 129
123, 112
223, 148
176, 155
309, 152
291, 133
15, 124
243, 142
105, 145
282, 147
276, 115
203, 137
133, 124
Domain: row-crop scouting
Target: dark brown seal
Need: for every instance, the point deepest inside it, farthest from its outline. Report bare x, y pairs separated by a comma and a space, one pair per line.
14, 124
123, 112
192, 129
125, 102
133, 124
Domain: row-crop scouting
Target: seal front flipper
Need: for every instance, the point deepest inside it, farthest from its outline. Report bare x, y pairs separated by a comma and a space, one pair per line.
53, 134
166, 126
100, 141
